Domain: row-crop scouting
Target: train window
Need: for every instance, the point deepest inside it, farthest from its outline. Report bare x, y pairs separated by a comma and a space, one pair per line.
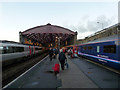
84, 48
19, 49
12, 49
5, 50
98, 49
1, 50
89, 48
38, 48
110, 49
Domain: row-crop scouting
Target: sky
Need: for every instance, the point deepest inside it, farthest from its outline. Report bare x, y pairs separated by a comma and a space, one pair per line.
81, 16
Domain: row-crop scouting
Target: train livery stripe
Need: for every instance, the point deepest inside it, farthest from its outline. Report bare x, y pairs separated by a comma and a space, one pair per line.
111, 60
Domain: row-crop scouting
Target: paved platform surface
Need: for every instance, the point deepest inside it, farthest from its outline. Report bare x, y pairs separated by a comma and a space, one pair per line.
38, 77
73, 77
103, 77
80, 74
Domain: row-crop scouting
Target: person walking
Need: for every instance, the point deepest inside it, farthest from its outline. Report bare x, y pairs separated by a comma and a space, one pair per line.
50, 53
56, 52
62, 58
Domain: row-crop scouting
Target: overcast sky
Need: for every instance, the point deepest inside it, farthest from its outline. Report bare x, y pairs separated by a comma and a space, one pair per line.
81, 16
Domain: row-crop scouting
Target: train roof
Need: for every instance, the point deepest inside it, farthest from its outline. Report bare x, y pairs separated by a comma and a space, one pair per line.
6, 41
13, 42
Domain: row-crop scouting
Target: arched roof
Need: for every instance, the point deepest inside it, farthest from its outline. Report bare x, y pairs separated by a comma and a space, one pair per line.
48, 33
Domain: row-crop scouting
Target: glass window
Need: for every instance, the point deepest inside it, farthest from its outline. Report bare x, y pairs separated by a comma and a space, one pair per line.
98, 49
110, 49
19, 49
1, 50
89, 48
84, 48
6, 50
10, 50
38, 48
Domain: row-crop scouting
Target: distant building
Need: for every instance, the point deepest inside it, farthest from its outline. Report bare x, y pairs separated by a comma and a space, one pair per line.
110, 31
48, 35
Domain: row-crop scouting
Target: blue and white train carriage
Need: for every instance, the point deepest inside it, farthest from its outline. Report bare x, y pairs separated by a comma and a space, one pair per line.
105, 51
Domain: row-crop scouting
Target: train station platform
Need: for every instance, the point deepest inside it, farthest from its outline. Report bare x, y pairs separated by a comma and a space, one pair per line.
73, 77
42, 76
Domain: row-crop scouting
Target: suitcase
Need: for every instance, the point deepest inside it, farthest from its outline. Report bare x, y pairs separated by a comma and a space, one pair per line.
56, 68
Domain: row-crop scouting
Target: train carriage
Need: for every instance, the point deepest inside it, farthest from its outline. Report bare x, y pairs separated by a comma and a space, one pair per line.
105, 51
12, 52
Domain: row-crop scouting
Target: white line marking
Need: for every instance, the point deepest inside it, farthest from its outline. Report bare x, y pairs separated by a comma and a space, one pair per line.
23, 73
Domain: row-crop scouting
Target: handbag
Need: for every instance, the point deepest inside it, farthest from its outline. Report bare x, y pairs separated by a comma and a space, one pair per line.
66, 65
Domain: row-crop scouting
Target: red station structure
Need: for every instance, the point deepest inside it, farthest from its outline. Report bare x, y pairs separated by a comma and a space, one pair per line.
48, 36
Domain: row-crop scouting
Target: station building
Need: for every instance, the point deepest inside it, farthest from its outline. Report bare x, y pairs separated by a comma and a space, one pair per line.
107, 32
48, 36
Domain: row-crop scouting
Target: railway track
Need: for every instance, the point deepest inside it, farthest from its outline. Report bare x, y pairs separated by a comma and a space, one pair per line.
11, 72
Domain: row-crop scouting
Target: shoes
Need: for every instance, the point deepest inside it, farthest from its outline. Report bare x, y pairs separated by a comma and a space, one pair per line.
63, 69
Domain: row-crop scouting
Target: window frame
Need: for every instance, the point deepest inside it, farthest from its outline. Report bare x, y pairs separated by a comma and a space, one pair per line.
109, 49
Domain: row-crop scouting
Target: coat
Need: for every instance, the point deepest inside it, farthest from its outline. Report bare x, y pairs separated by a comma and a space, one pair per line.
62, 57
50, 53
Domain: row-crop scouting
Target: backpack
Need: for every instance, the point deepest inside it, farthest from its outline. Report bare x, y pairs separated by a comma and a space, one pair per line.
62, 56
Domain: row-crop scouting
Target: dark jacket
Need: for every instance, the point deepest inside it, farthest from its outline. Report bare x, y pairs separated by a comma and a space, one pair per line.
51, 52
62, 56
56, 51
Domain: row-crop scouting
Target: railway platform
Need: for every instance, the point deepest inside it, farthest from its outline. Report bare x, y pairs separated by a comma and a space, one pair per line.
73, 77
41, 75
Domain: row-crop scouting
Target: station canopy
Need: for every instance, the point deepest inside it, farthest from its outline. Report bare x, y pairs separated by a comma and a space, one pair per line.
48, 33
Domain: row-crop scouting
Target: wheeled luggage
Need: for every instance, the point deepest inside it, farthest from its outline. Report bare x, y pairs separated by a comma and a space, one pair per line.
56, 68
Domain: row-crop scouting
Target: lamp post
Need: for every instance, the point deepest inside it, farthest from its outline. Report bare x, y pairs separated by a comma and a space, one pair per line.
101, 24
118, 33
58, 41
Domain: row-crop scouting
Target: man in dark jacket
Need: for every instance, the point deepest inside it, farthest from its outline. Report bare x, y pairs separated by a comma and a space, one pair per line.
62, 58
50, 53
